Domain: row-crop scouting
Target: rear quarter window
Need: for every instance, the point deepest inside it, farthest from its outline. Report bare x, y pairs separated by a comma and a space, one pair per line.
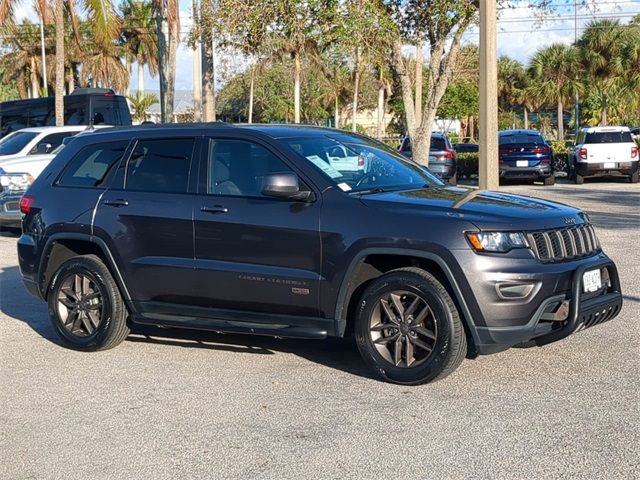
91, 166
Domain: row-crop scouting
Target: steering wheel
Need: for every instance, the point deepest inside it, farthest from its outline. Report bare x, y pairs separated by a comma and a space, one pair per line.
365, 178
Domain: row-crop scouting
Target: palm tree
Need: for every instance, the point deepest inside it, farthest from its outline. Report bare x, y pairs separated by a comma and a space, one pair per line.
24, 66
601, 47
555, 71
512, 81
138, 37
141, 103
167, 15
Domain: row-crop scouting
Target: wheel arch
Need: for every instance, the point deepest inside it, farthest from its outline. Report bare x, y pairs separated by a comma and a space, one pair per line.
370, 264
63, 246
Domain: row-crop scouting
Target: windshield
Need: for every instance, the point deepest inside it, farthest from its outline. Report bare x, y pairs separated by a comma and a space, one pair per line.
362, 167
15, 142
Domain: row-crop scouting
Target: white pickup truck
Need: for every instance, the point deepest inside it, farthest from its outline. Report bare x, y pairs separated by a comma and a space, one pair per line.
604, 151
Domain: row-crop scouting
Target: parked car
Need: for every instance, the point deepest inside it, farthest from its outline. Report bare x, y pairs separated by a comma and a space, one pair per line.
525, 155
239, 229
466, 148
442, 156
85, 106
18, 174
35, 141
604, 151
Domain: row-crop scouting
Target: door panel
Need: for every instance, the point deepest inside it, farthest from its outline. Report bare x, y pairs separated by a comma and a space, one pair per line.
253, 253
148, 221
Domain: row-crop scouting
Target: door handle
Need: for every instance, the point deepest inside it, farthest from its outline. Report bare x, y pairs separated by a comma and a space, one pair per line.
215, 209
118, 202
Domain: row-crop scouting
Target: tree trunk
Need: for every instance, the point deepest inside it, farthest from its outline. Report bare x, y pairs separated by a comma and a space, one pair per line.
472, 127
296, 87
419, 81
380, 125
209, 106
560, 121
70, 82
162, 27
59, 90
140, 78
197, 69
420, 146
356, 88
35, 83
336, 112
127, 65
604, 113
526, 118
252, 83
172, 51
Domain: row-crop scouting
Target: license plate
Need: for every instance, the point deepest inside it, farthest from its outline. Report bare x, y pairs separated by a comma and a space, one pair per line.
591, 281
610, 165
522, 163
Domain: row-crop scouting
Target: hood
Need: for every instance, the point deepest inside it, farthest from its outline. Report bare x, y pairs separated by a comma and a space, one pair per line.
26, 164
486, 210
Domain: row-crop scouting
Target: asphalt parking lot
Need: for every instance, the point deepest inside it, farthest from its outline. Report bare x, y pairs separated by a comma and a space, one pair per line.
225, 406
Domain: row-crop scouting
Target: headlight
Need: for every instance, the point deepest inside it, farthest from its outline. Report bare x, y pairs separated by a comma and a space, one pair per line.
497, 241
15, 182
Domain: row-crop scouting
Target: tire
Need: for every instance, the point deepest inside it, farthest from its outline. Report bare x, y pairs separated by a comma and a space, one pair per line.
634, 177
98, 321
453, 180
578, 179
440, 328
550, 180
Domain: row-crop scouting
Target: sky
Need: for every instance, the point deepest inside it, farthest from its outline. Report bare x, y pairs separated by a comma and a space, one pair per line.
520, 33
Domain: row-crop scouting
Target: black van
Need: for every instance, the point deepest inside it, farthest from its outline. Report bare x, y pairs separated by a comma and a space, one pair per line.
85, 106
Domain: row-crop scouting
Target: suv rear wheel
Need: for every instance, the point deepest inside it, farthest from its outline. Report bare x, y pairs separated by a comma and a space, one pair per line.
408, 328
85, 306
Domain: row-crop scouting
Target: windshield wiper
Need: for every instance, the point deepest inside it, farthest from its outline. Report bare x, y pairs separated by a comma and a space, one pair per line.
398, 188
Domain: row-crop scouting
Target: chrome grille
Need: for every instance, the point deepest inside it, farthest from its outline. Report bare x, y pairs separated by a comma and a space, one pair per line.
564, 244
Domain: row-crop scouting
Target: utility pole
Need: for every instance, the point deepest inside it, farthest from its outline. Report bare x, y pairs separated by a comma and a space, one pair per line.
488, 167
44, 59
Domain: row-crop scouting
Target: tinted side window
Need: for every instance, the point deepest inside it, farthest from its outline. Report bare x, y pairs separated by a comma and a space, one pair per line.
160, 165
91, 165
236, 167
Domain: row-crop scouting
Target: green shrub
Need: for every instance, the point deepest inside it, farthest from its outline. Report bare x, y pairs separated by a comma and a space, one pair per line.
467, 164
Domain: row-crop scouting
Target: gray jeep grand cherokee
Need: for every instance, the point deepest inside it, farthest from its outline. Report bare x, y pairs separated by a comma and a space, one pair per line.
254, 229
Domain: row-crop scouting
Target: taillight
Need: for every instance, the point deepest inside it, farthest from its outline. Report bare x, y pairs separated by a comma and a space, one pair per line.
545, 161
582, 153
503, 150
26, 202
450, 154
634, 152
541, 150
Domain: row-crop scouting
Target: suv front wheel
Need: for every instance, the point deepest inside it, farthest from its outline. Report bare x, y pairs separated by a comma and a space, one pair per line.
408, 328
85, 306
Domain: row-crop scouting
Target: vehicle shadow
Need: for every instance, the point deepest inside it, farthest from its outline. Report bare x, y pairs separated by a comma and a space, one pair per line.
336, 353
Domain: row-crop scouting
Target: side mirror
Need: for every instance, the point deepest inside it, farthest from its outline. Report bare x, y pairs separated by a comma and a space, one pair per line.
283, 185
43, 148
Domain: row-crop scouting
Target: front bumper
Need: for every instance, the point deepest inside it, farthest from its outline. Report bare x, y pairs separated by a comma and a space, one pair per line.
549, 324
10, 215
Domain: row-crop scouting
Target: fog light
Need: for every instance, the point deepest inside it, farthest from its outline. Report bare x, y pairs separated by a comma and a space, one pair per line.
514, 291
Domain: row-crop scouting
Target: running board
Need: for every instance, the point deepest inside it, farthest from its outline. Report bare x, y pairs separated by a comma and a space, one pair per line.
304, 328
